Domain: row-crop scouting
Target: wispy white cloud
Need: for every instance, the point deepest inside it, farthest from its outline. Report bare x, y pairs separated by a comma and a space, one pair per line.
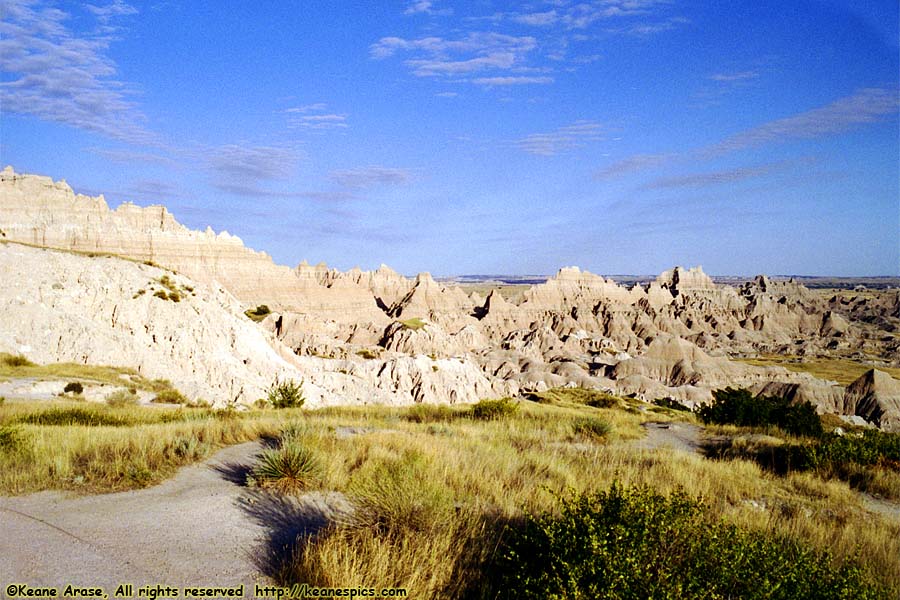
365, 177
131, 156
55, 74
734, 76
315, 116
307, 108
638, 162
105, 13
437, 56
646, 29
517, 80
560, 140
243, 169
418, 7
537, 18
868, 105
696, 180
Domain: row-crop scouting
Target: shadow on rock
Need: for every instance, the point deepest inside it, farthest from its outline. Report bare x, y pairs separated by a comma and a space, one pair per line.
290, 522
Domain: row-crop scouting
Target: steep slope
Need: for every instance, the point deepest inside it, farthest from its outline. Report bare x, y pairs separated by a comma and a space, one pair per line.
64, 307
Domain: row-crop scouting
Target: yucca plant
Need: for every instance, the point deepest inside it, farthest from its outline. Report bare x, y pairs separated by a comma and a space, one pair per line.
290, 468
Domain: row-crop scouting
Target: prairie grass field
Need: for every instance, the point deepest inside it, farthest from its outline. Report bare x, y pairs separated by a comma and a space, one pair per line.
438, 491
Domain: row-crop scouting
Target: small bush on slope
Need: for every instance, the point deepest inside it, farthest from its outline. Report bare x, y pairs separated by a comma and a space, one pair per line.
634, 543
492, 410
739, 407
286, 394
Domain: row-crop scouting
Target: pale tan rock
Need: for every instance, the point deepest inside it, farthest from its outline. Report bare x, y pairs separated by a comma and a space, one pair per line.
875, 396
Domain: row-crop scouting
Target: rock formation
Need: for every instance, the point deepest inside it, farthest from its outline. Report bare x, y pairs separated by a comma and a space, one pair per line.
360, 336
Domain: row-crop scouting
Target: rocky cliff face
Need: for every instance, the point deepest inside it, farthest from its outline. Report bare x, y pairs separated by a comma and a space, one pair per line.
36, 210
361, 336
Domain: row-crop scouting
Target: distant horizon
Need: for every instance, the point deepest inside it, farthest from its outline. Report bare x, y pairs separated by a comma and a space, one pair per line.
452, 137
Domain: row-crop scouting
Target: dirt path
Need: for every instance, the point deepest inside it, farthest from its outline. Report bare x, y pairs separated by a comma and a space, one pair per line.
683, 437
200, 528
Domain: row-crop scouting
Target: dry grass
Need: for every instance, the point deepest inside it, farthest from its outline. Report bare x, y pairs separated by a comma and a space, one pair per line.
119, 376
842, 370
433, 492
435, 495
96, 448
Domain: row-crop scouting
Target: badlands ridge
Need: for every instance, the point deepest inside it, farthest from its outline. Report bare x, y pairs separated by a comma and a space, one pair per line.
87, 284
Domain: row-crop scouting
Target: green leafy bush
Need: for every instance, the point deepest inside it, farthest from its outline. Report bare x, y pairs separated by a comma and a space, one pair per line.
16, 360
634, 543
740, 407
285, 394
290, 468
259, 313
492, 410
834, 455
74, 387
671, 403
170, 397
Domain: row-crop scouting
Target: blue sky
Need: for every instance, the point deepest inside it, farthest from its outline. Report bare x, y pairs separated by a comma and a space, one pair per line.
623, 136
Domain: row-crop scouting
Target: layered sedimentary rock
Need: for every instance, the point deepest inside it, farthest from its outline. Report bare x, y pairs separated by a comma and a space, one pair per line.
36, 210
875, 396
360, 336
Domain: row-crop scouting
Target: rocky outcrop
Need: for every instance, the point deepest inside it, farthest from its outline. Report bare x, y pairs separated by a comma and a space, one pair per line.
70, 308
36, 210
360, 336
875, 396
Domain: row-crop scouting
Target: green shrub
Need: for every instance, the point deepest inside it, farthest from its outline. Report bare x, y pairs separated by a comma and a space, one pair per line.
161, 294
170, 397
285, 394
429, 413
174, 297
259, 313
122, 398
492, 410
16, 360
11, 438
74, 387
671, 403
415, 323
739, 407
591, 427
835, 455
367, 354
634, 543
290, 468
